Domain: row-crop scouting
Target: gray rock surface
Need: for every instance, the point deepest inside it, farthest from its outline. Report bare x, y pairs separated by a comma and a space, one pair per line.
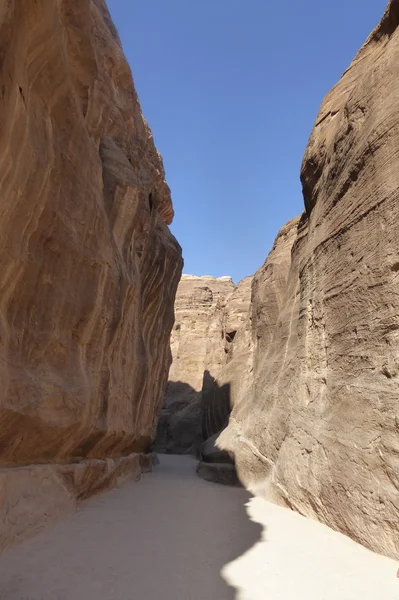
221, 473
211, 453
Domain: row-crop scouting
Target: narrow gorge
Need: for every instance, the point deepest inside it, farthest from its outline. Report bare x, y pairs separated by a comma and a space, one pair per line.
283, 386
313, 370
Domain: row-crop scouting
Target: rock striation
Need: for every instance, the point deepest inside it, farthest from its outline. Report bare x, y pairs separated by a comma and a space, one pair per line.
317, 427
89, 268
209, 312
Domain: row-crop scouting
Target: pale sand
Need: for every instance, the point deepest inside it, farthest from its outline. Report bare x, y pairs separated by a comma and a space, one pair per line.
170, 536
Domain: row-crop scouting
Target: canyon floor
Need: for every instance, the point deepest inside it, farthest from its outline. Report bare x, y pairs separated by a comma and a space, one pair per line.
174, 536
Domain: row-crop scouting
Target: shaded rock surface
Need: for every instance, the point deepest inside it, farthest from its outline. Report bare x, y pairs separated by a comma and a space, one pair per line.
211, 453
209, 312
88, 267
317, 425
222, 473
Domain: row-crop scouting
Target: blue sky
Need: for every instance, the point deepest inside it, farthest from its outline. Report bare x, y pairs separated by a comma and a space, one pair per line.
231, 90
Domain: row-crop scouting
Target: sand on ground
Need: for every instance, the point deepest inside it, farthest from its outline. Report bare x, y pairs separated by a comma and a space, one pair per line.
175, 537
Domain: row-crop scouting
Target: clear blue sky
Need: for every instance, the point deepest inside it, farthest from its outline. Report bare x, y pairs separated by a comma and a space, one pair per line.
231, 89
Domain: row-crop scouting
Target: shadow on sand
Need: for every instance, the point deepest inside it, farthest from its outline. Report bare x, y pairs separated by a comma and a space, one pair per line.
166, 538
217, 532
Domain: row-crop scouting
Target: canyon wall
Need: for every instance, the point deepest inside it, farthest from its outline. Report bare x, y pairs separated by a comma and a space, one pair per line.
209, 312
88, 266
317, 427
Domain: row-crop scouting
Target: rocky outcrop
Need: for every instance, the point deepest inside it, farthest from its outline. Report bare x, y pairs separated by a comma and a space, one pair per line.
317, 428
209, 312
89, 268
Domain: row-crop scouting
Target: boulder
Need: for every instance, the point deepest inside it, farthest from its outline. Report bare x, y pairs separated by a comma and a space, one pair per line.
221, 473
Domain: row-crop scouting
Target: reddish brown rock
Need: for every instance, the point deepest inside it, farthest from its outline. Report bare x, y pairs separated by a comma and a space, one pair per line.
88, 267
318, 427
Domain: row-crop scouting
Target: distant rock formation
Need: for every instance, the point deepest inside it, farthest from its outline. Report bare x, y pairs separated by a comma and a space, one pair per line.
89, 268
316, 426
209, 312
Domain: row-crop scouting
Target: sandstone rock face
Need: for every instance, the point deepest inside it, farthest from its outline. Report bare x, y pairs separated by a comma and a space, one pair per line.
209, 311
89, 268
318, 426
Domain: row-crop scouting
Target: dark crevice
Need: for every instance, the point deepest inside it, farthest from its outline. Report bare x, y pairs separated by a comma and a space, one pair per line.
230, 336
22, 94
331, 113
310, 176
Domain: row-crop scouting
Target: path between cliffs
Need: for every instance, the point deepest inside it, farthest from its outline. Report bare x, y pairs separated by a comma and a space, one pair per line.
175, 537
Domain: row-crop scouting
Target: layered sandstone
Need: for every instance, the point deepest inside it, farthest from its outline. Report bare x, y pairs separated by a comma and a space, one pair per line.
88, 267
318, 425
209, 312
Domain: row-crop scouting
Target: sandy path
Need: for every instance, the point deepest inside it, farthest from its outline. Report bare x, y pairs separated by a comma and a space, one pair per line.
170, 536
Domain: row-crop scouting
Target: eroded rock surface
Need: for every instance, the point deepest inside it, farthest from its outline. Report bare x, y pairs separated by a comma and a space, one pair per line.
209, 312
88, 267
318, 425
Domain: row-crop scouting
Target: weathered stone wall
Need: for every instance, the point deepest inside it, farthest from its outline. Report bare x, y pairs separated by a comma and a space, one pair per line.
318, 425
209, 312
88, 267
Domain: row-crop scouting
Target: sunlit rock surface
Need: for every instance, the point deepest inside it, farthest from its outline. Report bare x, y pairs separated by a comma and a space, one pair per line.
88, 267
199, 343
317, 427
